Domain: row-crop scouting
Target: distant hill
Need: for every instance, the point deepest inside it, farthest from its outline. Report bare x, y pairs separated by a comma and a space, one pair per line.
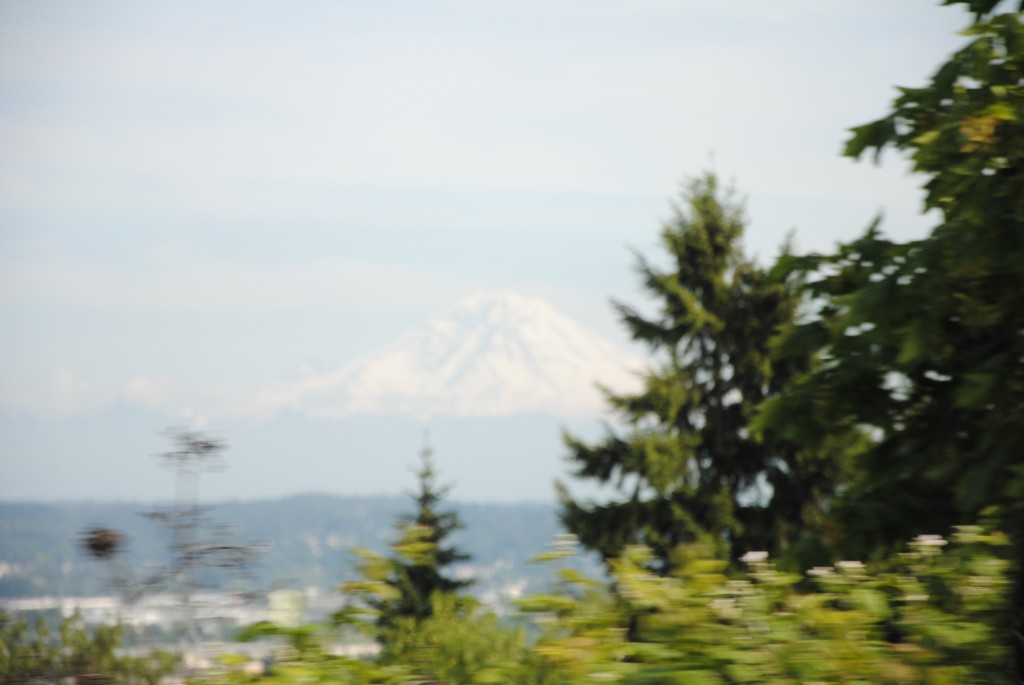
306, 540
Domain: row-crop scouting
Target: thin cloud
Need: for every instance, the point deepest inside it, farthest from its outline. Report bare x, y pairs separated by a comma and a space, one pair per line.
325, 284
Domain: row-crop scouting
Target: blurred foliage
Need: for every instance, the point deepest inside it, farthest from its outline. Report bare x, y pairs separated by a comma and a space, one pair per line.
930, 615
457, 644
302, 655
460, 644
87, 656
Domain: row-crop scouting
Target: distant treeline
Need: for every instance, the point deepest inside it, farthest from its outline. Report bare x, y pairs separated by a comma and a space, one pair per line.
305, 540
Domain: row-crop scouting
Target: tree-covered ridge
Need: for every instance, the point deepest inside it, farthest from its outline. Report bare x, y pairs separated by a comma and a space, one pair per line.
306, 540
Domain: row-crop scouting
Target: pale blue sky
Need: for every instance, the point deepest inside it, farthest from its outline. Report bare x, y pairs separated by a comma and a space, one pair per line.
202, 197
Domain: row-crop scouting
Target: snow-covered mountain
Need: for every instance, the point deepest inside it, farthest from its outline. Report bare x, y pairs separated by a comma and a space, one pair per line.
494, 354
495, 380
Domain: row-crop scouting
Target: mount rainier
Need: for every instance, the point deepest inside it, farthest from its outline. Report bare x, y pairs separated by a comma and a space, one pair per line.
491, 355
496, 379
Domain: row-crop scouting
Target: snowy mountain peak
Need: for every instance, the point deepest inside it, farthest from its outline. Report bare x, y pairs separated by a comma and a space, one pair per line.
492, 354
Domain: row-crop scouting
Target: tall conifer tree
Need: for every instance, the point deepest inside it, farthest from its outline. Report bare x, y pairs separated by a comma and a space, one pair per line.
685, 468
420, 567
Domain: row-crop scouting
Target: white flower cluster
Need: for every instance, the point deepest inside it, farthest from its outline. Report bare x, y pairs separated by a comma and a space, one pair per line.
930, 541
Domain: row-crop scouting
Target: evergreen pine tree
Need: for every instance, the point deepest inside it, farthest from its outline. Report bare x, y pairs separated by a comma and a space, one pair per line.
419, 568
685, 467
